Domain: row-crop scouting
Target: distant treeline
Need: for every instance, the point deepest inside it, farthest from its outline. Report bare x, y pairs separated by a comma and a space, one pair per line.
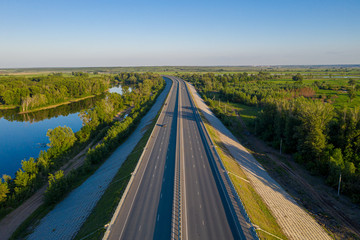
36, 92
326, 140
98, 125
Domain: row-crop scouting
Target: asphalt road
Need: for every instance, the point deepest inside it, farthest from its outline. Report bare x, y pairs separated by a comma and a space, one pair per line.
148, 208
140, 212
204, 215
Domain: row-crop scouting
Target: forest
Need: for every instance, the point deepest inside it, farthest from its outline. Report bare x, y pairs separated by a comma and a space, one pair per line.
321, 132
35, 92
99, 125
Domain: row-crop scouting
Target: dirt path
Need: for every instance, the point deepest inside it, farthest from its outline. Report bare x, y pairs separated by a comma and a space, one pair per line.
293, 219
13, 220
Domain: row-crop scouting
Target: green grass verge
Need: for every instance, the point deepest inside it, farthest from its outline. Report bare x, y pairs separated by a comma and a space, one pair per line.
257, 210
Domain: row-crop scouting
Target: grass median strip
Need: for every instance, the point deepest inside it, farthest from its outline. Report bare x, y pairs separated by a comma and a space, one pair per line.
257, 210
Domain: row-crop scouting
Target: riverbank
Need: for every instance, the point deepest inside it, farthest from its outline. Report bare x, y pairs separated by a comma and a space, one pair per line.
6, 107
84, 169
60, 104
63, 222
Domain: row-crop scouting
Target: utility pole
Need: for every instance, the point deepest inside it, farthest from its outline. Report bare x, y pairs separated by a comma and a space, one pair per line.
339, 185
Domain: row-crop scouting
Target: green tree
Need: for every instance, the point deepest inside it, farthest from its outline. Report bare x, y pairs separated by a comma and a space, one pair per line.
298, 77
4, 190
351, 93
351, 82
26, 175
55, 177
61, 139
30, 166
314, 117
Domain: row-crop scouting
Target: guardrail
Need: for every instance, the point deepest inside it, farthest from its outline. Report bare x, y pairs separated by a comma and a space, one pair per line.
108, 230
214, 154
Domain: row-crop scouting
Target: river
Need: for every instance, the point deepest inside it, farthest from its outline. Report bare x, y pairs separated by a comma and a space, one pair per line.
24, 135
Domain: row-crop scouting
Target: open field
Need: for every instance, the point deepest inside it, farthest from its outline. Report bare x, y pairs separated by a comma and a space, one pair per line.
280, 69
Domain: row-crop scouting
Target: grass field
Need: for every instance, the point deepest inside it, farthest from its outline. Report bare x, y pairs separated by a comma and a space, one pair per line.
334, 70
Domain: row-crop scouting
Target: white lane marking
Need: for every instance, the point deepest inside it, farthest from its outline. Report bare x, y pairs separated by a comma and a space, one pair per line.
198, 193
158, 216
193, 165
139, 228
153, 175
204, 165
200, 205
203, 223
155, 166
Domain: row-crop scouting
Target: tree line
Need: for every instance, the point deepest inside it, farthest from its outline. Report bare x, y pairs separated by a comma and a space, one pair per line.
323, 138
98, 124
34, 92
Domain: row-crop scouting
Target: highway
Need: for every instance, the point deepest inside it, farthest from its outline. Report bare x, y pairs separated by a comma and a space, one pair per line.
203, 209
139, 212
177, 191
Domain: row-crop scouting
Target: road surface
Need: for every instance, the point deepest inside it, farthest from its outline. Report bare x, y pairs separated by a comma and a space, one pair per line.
139, 214
177, 149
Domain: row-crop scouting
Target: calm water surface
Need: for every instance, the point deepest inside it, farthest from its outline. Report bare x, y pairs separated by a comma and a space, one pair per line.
24, 135
21, 140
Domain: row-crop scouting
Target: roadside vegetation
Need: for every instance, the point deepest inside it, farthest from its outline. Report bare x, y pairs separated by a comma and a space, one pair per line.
321, 136
98, 126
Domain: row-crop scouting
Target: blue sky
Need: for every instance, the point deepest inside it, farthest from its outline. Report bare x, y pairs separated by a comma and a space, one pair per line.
61, 33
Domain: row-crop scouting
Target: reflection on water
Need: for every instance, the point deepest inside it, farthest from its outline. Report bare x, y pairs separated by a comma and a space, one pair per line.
341, 77
21, 140
24, 135
63, 110
120, 89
